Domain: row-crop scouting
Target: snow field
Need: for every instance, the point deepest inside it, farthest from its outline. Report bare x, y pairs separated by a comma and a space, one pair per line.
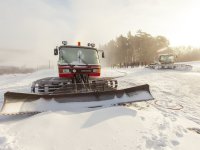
109, 128
144, 125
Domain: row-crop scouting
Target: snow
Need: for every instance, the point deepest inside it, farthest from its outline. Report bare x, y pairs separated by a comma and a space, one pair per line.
162, 124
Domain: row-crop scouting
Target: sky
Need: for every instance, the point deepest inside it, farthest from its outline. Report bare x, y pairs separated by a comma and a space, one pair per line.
31, 29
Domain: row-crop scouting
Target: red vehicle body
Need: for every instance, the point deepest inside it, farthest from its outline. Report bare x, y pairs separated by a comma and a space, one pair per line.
89, 70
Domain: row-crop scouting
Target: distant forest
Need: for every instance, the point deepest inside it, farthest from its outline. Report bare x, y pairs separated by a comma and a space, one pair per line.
143, 48
14, 70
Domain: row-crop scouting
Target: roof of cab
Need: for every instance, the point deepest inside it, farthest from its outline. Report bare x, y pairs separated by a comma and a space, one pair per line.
72, 46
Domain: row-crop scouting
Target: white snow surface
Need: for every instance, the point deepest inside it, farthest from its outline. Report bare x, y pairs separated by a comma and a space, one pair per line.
170, 121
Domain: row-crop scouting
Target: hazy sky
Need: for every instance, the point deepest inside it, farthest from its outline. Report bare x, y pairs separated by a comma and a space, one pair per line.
30, 29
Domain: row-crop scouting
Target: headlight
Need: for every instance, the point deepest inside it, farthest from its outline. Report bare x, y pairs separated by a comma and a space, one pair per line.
66, 71
96, 70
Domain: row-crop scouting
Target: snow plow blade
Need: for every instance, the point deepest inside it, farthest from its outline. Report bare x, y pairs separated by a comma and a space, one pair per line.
22, 103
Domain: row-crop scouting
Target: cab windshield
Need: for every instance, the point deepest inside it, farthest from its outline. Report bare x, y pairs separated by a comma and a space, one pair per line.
78, 56
167, 58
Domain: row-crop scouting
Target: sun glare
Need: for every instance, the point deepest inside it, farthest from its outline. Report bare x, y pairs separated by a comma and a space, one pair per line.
186, 28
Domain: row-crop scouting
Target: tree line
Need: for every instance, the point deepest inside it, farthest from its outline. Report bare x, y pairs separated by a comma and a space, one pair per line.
15, 70
142, 48
187, 53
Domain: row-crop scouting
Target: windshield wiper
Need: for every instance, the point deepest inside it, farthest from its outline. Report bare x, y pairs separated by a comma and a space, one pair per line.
83, 60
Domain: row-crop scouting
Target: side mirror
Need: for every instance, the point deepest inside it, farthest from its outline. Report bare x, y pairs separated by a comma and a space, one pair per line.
55, 51
103, 55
